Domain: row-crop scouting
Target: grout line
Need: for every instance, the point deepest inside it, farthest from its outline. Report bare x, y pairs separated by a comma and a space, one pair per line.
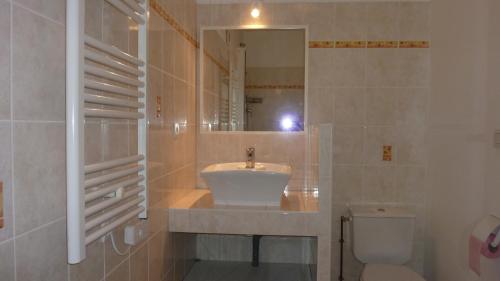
7, 241
172, 75
38, 14
147, 258
116, 267
40, 227
37, 122
12, 182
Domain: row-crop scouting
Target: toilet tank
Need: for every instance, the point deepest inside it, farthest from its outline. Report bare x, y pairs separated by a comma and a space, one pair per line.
382, 234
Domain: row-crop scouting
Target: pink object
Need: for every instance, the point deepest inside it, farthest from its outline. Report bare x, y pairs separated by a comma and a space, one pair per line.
475, 254
485, 250
478, 248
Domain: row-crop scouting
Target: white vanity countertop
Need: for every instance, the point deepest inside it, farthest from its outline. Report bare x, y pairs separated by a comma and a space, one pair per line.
195, 213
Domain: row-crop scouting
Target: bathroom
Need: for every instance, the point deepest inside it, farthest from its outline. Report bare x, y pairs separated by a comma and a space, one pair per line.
393, 108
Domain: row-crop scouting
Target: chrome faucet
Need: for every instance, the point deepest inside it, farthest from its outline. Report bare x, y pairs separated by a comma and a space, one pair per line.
250, 158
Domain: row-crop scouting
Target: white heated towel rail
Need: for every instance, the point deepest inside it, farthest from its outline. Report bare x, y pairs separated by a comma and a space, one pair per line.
102, 196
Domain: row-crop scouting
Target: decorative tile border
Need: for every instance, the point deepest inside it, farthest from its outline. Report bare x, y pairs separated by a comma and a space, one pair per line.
274, 87
359, 44
216, 62
350, 44
382, 44
321, 44
153, 4
414, 44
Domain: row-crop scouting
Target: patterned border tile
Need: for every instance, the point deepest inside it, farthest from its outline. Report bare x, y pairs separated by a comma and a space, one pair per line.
350, 44
218, 63
170, 20
353, 44
321, 44
414, 44
157, 7
382, 44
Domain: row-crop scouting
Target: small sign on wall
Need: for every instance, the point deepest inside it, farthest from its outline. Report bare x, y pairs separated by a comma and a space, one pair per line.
387, 153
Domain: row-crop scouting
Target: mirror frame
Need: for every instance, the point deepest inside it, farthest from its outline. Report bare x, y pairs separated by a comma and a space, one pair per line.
201, 60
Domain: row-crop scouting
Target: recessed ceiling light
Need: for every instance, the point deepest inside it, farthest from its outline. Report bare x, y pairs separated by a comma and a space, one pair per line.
255, 13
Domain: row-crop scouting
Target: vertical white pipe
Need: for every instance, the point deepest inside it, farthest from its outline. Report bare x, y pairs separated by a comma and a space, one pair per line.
142, 129
74, 130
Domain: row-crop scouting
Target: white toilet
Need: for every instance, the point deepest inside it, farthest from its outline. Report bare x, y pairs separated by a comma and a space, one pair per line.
383, 241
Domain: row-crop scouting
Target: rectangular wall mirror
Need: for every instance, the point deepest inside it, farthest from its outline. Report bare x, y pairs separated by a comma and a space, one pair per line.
253, 79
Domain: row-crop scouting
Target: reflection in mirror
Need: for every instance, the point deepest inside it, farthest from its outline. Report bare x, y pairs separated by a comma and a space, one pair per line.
1, 205
253, 80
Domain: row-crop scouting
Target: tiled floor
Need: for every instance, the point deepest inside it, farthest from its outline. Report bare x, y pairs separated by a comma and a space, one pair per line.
243, 271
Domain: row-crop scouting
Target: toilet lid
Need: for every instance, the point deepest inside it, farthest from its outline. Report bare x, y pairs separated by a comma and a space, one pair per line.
386, 272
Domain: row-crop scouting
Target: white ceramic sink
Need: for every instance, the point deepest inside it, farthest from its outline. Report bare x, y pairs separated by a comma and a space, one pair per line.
233, 184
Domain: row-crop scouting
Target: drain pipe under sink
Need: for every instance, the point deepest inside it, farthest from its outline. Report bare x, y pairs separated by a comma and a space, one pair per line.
255, 249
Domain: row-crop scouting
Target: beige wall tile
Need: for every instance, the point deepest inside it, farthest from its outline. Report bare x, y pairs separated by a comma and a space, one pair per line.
41, 254
225, 14
320, 106
414, 20
378, 184
6, 178
348, 67
7, 267
348, 145
155, 84
43, 98
121, 273
381, 106
320, 68
382, 68
203, 16
320, 17
350, 106
410, 184
289, 14
411, 145
40, 178
350, 21
412, 106
180, 56
168, 45
180, 101
156, 258
156, 29
139, 265
348, 183
414, 67
92, 268
5, 61
168, 99
53, 9
382, 21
